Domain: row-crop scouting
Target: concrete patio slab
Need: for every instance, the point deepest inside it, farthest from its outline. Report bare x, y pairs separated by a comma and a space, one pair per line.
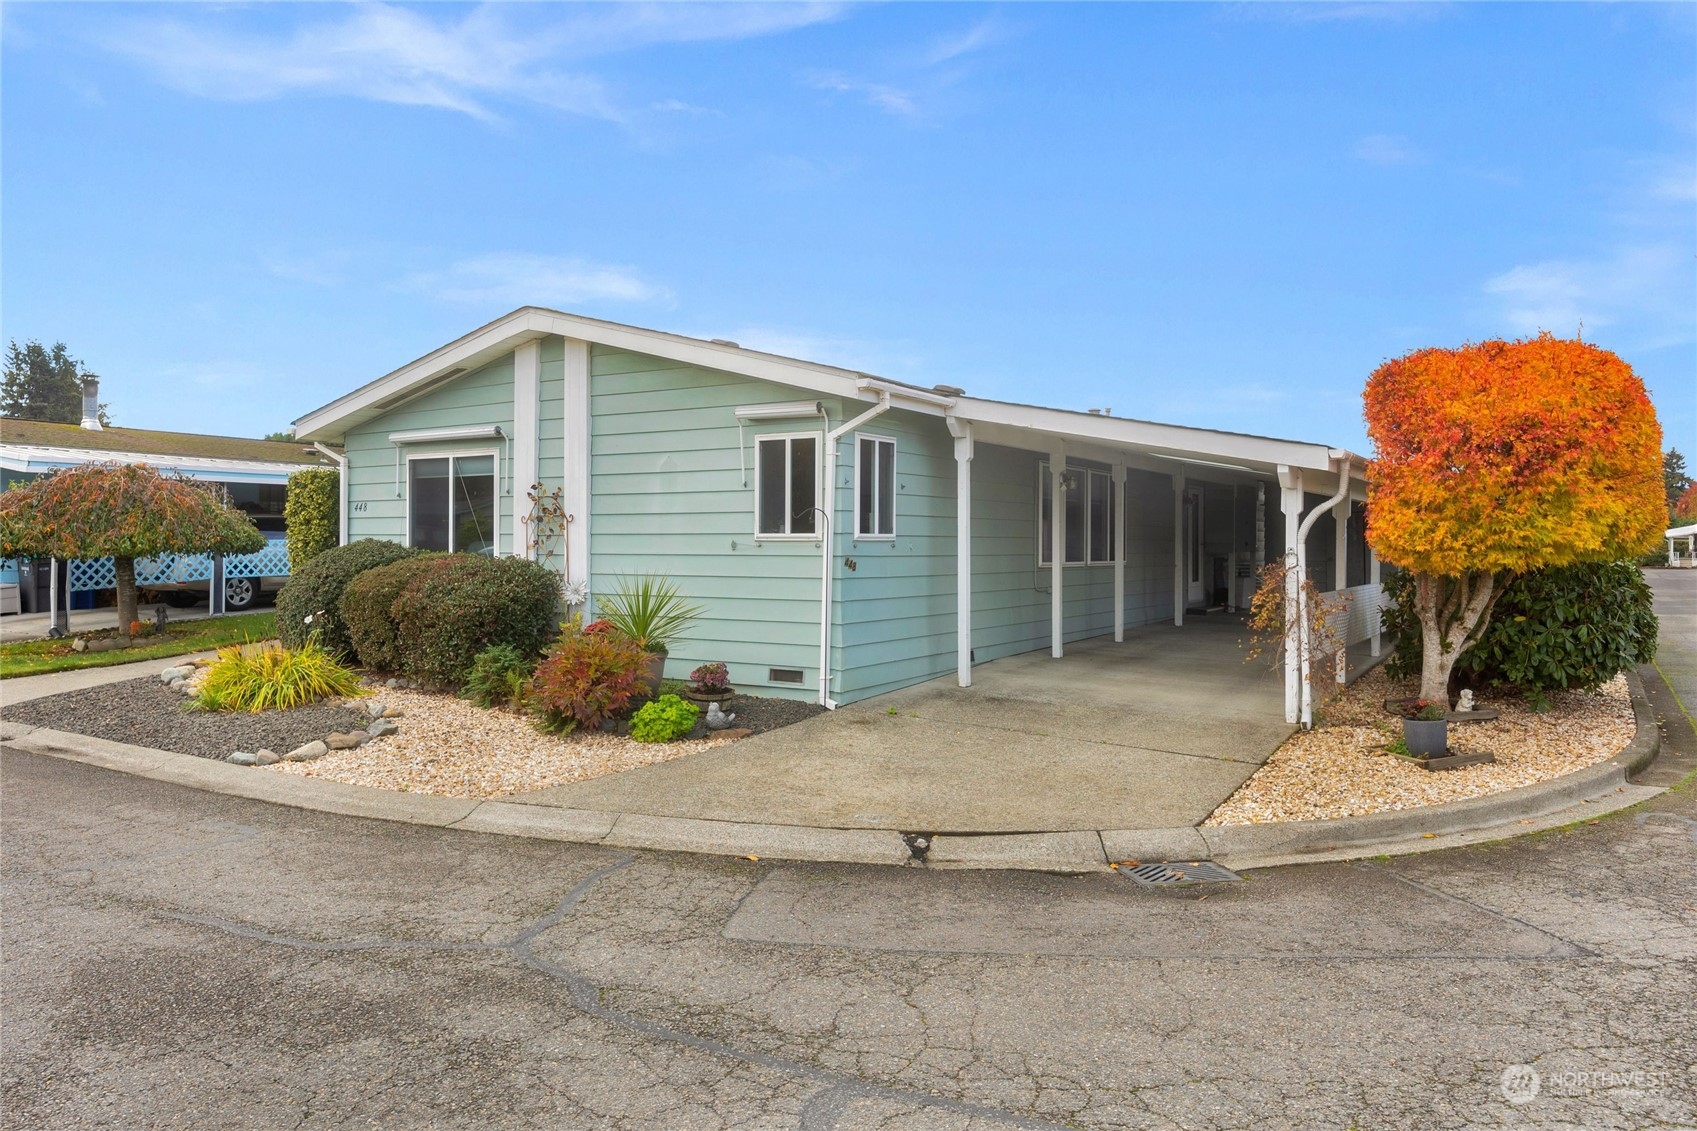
1151, 733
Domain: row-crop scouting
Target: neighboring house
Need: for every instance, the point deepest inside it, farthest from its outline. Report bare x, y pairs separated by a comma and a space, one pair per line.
254, 472
846, 534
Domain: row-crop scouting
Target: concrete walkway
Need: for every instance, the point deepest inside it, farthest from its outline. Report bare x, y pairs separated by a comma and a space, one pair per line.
1676, 609
34, 626
1151, 733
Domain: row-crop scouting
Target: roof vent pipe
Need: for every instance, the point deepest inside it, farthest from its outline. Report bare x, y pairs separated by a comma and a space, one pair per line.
91, 403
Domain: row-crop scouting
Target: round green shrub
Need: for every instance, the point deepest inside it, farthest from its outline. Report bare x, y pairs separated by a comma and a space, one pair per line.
316, 592
464, 603
366, 605
664, 719
1572, 627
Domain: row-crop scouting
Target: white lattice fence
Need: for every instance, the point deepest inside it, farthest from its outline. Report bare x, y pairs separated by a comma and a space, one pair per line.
273, 561
174, 569
1362, 617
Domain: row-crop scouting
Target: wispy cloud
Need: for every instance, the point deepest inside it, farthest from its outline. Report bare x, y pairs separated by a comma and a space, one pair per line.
1646, 290
1325, 11
514, 279
470, 64
890, 99
1388, 150
859, 354
323, 269
975, 38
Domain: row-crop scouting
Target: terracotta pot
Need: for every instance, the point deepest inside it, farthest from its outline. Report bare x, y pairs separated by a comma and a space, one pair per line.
1426, 737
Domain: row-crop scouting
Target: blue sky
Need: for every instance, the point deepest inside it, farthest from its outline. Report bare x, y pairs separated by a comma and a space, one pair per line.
1223, 216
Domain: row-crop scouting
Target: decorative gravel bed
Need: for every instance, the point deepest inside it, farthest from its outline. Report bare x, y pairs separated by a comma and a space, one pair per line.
145, 712
452, 748
1341, 768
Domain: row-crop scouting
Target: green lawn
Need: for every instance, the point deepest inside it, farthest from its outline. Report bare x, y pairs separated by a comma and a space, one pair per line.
32, 657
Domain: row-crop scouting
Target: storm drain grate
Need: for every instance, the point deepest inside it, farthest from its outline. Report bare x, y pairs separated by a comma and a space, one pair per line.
1179, 872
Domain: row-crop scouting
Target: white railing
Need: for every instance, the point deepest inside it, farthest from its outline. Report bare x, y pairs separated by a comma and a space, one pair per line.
1362, 618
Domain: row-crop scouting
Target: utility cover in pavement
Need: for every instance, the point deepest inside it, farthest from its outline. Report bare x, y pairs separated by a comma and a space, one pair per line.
1179, 872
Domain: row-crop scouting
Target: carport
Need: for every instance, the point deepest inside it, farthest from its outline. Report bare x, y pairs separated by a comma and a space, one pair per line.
1150, 732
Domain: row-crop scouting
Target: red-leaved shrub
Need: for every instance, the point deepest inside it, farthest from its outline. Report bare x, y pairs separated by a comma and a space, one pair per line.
586, 679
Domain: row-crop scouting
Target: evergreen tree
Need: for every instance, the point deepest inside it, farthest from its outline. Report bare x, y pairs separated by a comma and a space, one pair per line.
44, 384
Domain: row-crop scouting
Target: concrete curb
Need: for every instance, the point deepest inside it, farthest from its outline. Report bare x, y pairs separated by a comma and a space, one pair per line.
1600, 789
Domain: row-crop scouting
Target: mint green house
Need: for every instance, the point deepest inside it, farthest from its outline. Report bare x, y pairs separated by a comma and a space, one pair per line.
846, 534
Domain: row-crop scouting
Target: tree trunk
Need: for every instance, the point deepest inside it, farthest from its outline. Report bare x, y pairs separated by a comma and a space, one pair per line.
1454, 612
125, 568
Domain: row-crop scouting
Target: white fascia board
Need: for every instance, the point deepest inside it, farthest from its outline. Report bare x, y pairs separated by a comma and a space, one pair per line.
31, 458
502, 336
1257, 454
1681, 531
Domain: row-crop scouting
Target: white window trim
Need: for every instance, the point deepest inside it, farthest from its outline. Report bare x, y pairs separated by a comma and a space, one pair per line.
453, 454
818, 487
1043, 497
877, 437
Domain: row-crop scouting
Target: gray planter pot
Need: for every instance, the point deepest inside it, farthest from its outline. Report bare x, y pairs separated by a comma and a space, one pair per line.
1426, 737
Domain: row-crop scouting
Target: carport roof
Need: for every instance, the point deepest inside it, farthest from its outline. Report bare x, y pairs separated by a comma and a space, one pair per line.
1002, 422
40, 445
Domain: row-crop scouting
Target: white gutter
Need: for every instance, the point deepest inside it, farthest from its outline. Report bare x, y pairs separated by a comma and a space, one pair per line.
1342, 461
341, 462
830, 508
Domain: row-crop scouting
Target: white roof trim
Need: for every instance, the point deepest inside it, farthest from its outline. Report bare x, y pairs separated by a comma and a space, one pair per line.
36, 458
1681, 531
1041, 427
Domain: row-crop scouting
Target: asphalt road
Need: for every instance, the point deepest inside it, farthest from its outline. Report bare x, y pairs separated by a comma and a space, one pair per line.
176, 959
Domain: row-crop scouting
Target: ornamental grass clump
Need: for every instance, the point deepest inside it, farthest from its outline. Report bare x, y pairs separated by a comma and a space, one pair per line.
250, 677
663, 720
586, 679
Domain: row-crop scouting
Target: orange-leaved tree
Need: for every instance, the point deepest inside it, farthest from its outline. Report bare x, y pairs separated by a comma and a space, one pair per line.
125, 511
1499, 458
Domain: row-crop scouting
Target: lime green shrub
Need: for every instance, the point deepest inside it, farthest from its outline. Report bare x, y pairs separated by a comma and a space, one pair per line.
664, 719
256, 677
312, 514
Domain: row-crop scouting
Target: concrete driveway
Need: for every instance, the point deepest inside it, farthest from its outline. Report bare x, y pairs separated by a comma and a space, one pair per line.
1151, 733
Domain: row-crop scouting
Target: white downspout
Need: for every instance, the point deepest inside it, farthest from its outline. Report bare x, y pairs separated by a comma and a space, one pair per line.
830, 508
341, 462
1342, 461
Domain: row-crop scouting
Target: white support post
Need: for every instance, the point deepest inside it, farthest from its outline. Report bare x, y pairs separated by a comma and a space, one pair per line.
527, 412
1179, 549
1057, 546
963, 550
576, 494
1118, 511
1290, 505
1373, 578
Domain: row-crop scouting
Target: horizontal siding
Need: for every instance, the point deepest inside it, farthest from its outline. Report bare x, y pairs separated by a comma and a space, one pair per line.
668, 497
376, 502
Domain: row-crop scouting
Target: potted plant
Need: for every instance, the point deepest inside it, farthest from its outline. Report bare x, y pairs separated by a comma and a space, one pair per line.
712, 683
1426, 728
652, 611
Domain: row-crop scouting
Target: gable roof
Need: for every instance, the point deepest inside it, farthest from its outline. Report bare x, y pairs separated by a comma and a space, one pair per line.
1004, 422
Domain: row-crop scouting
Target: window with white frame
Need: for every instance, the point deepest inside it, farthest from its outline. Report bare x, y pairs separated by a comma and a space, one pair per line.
1091, 516
875, 487
786, 486
451, 503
